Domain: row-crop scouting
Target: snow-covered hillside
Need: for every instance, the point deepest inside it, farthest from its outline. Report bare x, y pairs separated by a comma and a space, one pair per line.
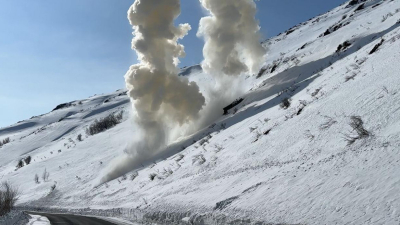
269, 160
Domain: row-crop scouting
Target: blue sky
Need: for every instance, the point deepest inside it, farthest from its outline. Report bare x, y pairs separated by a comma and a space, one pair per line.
54, 51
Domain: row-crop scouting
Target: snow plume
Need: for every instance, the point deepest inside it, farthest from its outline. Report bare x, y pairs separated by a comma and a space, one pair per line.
232, 37
232, 47
162, 100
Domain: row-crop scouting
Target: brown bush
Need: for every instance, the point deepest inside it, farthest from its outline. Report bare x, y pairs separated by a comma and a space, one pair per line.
8, 197
104, 123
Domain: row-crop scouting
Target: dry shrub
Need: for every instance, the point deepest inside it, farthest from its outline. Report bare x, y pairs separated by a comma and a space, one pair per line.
104, 123
358, 126
8, 197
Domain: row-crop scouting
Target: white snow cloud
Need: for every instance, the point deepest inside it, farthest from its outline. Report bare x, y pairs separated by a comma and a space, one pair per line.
232, 38
163, 101
232, 47
161, 98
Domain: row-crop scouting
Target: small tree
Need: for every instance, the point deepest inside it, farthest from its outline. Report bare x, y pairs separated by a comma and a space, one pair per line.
79, 137
28, 160
45, 175
285, 103
53, 187
6, 141
20, 164
36, 179
152, 176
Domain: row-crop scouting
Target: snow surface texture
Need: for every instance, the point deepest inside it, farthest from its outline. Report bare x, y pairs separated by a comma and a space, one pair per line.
38, 220
261, 163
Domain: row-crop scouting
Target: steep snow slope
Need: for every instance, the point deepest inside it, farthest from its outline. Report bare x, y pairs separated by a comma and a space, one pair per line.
261, 162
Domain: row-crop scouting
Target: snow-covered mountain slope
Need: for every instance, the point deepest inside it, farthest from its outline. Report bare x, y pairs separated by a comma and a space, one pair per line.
262, 162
